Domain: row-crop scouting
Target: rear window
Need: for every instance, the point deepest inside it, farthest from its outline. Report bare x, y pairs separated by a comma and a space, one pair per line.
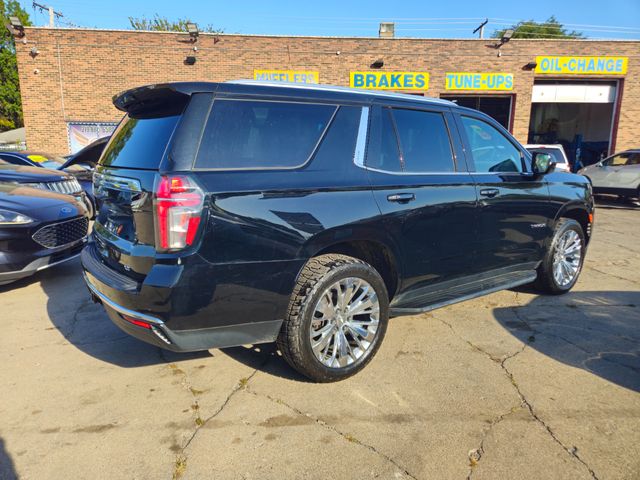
139, 142
252, 134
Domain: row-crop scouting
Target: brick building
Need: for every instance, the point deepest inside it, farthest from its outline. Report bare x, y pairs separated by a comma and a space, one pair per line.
544, 91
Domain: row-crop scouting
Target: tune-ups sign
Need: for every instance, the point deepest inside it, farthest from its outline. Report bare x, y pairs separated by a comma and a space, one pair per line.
389, 80
478, 81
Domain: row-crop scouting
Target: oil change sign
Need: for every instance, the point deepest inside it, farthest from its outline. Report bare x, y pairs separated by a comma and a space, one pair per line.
582, 65
478, 81
389, 80
295, 76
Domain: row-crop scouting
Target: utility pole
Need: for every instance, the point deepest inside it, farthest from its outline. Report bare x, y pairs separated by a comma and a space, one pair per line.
52, 13
481, 28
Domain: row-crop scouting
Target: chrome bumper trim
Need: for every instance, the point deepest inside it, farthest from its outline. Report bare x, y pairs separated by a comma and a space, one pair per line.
119, 308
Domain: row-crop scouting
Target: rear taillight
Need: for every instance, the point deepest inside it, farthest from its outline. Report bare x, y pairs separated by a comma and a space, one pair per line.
178, 207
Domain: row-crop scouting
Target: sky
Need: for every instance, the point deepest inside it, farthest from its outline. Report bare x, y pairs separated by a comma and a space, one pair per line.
414, 18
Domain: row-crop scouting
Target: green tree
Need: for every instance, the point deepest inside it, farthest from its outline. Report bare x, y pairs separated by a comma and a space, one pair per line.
532, 29
163, 24
10, 102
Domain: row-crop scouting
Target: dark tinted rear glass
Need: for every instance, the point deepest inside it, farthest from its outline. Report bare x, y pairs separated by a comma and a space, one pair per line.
382, 151
139, 142
424, 141
251, 134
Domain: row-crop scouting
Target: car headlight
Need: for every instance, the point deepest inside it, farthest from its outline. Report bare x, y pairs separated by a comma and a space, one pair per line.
7, 217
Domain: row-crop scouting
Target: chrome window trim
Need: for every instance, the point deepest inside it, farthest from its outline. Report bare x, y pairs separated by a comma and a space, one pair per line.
361, 140
415, 173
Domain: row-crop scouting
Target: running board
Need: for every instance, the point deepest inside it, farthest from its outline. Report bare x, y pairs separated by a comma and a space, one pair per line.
435, 299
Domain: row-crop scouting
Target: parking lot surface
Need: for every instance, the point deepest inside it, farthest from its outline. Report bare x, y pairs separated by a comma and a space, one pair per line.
512, 385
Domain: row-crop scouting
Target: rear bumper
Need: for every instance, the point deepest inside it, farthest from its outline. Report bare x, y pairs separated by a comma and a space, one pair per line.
125, 300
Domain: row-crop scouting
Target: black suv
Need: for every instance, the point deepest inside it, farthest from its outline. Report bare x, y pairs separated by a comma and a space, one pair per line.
244, 212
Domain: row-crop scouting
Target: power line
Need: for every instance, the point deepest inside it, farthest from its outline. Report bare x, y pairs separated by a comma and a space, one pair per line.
52, 12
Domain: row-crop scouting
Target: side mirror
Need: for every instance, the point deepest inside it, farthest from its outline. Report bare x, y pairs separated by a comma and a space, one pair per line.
542, 163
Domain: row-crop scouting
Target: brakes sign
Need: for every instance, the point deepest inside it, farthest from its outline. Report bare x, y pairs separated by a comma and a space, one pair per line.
389, 80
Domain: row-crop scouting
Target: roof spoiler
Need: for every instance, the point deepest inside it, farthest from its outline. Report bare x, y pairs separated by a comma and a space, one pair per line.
160, 99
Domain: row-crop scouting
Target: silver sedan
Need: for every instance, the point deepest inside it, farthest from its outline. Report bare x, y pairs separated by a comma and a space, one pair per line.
618, 174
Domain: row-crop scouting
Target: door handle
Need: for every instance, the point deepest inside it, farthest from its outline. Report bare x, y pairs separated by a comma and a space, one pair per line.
401, 197
489, 192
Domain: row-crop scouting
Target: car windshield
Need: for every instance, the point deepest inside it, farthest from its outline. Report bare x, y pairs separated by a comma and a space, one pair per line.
46, 161
627, 158
556, 154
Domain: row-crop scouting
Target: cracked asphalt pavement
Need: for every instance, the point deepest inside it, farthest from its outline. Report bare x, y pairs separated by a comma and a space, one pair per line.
512, 385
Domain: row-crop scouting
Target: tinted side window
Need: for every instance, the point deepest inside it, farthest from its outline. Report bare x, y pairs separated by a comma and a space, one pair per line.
490, 149
424, 141
253, 134
382, 151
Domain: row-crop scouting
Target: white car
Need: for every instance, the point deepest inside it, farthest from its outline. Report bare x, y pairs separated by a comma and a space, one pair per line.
618, 174
557, 155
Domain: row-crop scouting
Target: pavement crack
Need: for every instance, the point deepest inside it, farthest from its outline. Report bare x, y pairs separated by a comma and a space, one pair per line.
333, 429
573, 452
609, 274
181, 458
75, 319
476, 454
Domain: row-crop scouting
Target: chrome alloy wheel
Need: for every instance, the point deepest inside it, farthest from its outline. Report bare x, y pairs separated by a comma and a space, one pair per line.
345, 322
567, 257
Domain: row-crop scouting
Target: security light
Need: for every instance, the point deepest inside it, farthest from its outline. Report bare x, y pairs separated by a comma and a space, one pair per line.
192, 29
190, 60
530, 66
16, 26
378, 63
506, 36
387, 30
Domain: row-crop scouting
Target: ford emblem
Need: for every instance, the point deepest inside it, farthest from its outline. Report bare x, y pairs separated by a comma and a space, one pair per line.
66, 210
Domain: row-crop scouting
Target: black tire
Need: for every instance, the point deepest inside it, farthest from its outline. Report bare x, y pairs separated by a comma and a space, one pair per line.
546, 280
319, 274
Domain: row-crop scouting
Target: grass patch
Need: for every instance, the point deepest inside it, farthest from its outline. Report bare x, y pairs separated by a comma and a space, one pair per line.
179, 467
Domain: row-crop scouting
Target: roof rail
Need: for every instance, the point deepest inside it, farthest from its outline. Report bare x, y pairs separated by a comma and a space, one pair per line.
339, 89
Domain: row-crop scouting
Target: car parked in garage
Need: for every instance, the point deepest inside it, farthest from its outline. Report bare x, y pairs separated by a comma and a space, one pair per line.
557, 153
38, 229
618, 174
248, 212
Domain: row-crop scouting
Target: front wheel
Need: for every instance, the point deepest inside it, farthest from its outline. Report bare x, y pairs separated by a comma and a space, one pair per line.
563, 261
337, 318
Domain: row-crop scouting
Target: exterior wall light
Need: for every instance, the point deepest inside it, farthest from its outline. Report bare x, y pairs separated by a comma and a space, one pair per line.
192, 30
16, 27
